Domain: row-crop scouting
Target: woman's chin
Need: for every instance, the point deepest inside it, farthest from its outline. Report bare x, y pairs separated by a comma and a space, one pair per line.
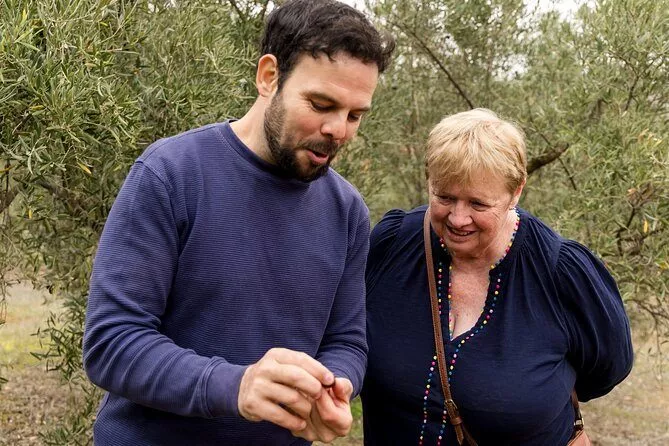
459, 248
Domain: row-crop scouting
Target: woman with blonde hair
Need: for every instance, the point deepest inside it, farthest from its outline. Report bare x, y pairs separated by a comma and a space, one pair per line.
526, 316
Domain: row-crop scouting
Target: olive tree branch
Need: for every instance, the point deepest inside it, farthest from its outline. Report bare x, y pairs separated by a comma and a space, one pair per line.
436, 60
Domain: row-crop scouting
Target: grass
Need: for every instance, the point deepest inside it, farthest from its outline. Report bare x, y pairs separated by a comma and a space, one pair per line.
635, 413
26, 311
32, 399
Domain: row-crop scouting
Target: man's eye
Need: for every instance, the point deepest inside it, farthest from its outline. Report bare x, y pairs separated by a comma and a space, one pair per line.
319, 107
354, 118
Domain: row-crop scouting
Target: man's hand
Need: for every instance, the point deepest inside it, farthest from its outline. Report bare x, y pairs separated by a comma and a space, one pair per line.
331, 415
281, 387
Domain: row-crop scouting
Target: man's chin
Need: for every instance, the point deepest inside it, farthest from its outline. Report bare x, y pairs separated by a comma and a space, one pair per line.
313, 174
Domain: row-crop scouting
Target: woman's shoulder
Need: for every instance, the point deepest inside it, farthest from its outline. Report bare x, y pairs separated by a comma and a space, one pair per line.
395, 224
563, 253
538, 242
539, 229
395, 240
576, 257
584, 280
390, 224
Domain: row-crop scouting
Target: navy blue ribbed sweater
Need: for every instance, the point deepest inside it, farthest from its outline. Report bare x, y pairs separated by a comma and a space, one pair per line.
208, 259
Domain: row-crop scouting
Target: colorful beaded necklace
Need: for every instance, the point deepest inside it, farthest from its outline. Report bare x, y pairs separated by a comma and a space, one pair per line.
473, 331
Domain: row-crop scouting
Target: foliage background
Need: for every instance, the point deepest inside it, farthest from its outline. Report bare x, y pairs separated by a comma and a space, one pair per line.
86, 85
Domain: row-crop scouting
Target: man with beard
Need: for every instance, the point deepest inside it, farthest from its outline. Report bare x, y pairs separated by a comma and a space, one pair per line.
227, 296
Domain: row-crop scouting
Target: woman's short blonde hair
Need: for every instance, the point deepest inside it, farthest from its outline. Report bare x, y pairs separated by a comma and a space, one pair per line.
473, 144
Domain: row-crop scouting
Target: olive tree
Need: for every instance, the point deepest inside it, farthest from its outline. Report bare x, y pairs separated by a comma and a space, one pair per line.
589, 92
85, 85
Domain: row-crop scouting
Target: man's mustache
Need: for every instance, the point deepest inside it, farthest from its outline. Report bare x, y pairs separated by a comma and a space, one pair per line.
329, 148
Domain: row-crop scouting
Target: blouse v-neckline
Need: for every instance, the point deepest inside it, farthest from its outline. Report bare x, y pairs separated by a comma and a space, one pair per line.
495, 274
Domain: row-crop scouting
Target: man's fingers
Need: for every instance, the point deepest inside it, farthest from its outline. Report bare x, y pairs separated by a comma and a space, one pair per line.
343, 389
274, 413
287, 398
308, 433
336, 415
293, 401
278, 415
281, 388
304, 361
312, 434
260, 394
294, 376
315, 430
326, 407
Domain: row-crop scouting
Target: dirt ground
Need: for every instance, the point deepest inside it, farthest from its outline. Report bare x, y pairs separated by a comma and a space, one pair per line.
637, 411
33, 400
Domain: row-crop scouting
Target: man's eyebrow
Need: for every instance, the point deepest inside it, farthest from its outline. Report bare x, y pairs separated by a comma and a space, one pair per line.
325, 98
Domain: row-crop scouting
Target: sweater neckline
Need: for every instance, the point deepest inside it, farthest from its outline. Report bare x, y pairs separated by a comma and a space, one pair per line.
254, 160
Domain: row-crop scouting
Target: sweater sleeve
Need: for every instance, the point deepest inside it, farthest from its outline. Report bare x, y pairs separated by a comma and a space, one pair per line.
343, 349
600, 344
124, 351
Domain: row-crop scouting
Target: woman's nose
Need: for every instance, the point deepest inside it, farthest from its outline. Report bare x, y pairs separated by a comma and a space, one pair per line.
459, 216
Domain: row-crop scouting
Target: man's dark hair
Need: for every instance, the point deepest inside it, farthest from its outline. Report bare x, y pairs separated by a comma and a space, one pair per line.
322, 26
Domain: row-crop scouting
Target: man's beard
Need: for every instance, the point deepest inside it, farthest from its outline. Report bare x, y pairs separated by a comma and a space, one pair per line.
284, 156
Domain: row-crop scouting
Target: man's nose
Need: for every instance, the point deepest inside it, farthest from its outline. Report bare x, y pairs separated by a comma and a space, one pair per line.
336, 127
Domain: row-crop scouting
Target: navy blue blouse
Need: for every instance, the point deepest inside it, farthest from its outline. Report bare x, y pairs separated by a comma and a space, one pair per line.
553, 321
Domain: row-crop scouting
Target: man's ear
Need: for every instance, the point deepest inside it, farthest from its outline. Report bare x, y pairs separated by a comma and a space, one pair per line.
267, 75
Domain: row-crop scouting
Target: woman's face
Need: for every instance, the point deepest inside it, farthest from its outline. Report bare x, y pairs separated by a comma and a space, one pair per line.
471, 218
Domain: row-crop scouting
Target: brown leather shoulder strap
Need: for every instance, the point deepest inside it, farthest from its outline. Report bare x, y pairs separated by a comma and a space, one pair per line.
579, 424
451, 408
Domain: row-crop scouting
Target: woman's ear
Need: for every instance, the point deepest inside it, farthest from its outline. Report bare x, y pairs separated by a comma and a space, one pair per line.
267, 75
430, 187
516, 195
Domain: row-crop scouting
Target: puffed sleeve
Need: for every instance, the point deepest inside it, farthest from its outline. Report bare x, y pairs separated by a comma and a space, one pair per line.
600, 344
382, 237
